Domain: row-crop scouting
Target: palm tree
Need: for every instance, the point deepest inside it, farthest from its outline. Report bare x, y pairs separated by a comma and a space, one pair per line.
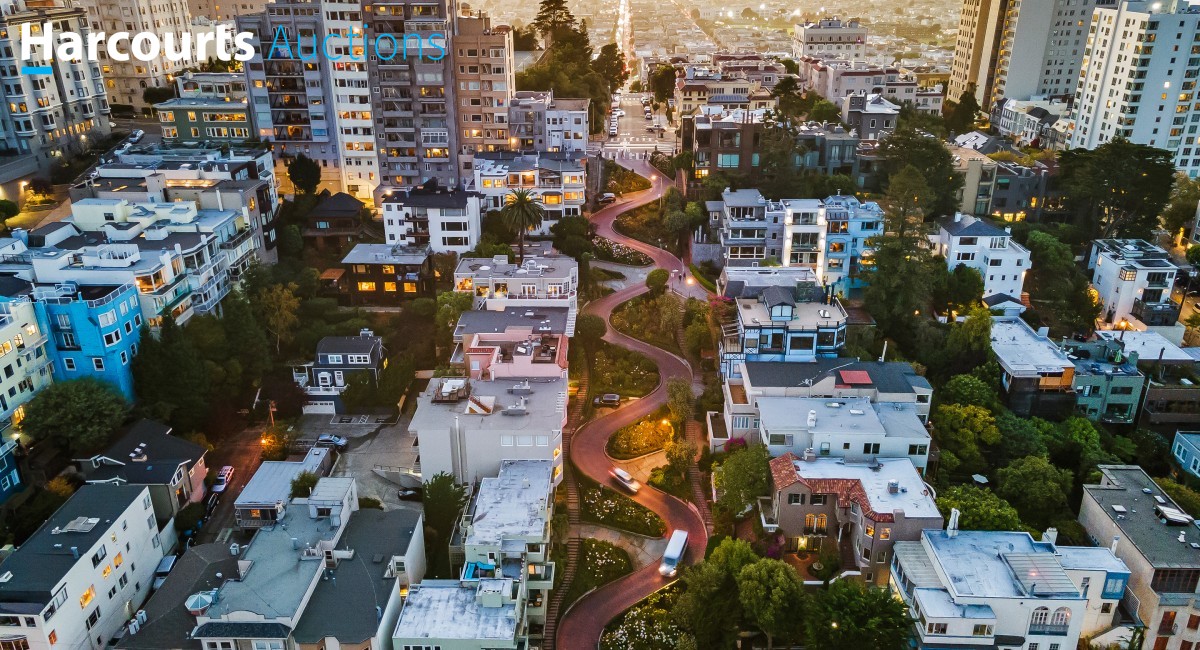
522, 212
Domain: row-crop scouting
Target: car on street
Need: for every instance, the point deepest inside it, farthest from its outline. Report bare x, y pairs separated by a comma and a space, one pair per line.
409, 494
625, 480
619, 112
224, 476
607, 197
211, 504
137, 136
649, 116
331, 441
611, 400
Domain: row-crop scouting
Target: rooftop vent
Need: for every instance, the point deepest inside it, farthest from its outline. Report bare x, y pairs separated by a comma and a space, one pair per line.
78, 525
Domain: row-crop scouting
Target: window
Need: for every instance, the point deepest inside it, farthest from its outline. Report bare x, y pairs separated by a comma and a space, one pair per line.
87, 597
918, 450
818, 499
69, 364
981, 630
885, 533
19, 643
268, 645
871, 448
98, 363
1084, 585
1106, 608
93, 618
935, 628
366, 286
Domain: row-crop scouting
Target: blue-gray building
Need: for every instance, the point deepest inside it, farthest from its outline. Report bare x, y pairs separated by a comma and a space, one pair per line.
1187, 451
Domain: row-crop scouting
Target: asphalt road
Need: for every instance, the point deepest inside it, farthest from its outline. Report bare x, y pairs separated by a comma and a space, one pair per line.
243, 452
580, 628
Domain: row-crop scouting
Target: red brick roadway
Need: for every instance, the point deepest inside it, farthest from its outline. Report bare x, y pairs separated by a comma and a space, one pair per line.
580, 628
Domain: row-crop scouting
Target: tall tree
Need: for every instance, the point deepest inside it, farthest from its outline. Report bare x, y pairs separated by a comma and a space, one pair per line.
961, 432
773, 597
909, 200
848, 615
825, 111
1037, 489
522, 212
662, 82
276, 309
610, 64
590, 330
305, 174
929, 155
246, 338
1058, 286
710, 608
79, 414
744, 476
1119, 188
960, 115
170, 377
553, 16
444, 500
680, 400
1180, 213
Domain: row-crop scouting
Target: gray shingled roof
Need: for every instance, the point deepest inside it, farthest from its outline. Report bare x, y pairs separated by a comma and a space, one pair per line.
163, 452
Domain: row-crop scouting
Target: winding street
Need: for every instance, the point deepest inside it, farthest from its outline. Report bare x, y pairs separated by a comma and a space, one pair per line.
580, 627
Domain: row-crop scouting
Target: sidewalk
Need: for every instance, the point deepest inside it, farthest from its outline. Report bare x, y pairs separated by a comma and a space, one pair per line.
642, 550
640, 468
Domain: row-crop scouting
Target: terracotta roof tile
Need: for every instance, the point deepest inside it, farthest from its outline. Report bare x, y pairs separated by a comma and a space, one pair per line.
783, 470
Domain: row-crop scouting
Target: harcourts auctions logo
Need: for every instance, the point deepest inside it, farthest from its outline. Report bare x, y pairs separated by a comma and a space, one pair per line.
147, 46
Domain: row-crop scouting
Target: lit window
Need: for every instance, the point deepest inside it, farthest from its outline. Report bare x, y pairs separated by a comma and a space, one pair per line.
366, 286
87, 597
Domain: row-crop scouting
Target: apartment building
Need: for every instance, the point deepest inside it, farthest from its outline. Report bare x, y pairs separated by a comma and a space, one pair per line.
556, 179
979, 588
26, 353
502, 544
414, 100
829, 236
838, 407
549, 281
266, 497
1186, 449
486, 74
466, 427
1132, 76
1029, 123
964, 240
830, 37
862, 509
46, 115
511, 342
728, 142
381, 274
77, 580
225, 10
172, 468
443, 220
241, 181
288, 95
538, 121
1037, 376
1133, 279
1152, 535
979, 36
835, 78
782, 315
127, 80
1108, 385
705, 88
340, 360
210, 107
1172, 376
1041, 49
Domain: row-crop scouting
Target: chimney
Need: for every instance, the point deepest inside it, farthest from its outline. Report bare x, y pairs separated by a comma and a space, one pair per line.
812, 419
1051, 535
1113, 547
952, 527
75, 552
957, 217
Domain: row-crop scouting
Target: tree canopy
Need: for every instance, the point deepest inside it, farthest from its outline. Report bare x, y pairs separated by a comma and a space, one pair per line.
772, 596
847, 614
305, 174
744, 476
522, 212
1117, 189
979, 509
79, 414
907, 147
1036, 488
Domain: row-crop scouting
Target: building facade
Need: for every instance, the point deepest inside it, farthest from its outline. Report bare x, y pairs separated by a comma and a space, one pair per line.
486, 75
979, 36
445, 221
1134, 280
1041, 49
211, 107
382, 274
558, 180
1002, 263
830, 37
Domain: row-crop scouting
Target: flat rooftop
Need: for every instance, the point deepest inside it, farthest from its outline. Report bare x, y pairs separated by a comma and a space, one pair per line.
544, 406
345, 608
838, 416
1128, 496
823, 474
278, 579
1150, 346
1022, 352
996, 564
513, 504
753, 312
561, 267
386, 254
886, 377
540, 320
272, 482
445, 609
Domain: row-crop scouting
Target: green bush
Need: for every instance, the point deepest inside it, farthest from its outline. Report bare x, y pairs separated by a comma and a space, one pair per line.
625, 372
602, 505
640, 438
600, 563
370, 503
608, 250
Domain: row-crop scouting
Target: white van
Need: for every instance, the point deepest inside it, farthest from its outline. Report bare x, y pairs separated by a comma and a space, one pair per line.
676, 547
163, 570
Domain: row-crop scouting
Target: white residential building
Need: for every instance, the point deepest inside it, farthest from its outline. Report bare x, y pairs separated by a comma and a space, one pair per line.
82, 576
1134, 279
975, 588
1041, 49
447, 221
968, 241
1136, 84
537, 121
1030, 123
834, 78
497, 284
500, 547
466, 427
830, 37
556, 179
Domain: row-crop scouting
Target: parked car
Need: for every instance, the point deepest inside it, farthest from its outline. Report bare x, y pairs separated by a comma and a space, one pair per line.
211, 504
619, 112
607, 197
649, 116
332, 441
224, 476
137, 136
611, 400
163, 570
409, 494
625, 480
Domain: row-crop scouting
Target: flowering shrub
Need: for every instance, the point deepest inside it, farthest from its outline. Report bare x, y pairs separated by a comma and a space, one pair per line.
621, 371
605, 506
646, 626
641, 437
611, 251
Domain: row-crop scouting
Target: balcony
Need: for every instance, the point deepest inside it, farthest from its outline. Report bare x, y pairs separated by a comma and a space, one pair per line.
237, 240
541, 575
1049, 629
766, 514
1156, 313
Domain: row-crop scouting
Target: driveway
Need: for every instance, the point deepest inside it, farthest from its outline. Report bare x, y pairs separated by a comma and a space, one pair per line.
581, 627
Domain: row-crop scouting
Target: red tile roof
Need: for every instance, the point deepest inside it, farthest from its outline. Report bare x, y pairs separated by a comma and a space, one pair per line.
783, 471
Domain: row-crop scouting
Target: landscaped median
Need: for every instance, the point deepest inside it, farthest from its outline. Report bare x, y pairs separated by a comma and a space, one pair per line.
608, 250
605, 506
621, 371
647, 625
600, 563
645, 436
